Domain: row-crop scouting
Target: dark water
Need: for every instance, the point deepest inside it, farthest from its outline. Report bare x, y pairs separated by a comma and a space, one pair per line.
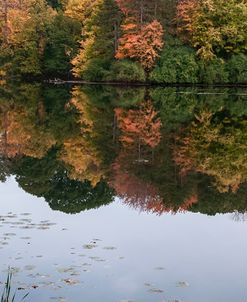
124, 194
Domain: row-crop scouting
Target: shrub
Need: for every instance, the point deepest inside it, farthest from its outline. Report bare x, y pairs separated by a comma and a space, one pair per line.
213, 72
95, 70
177, 64
237, 68
126, 71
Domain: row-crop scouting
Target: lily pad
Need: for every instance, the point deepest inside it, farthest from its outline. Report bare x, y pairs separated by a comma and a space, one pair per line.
182, 284
156, 290
89, 246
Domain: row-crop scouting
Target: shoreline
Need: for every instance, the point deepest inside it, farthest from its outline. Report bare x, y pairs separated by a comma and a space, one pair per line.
60, 81
146, 84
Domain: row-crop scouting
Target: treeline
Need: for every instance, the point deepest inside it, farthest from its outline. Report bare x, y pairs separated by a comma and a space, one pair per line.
160, 41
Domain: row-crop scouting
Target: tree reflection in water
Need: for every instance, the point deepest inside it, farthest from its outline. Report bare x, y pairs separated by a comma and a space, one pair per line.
158, 149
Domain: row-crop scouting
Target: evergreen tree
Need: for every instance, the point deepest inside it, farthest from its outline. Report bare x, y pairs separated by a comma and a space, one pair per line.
99, 43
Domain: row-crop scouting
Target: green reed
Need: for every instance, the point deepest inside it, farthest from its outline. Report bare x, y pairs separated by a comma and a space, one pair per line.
7, 295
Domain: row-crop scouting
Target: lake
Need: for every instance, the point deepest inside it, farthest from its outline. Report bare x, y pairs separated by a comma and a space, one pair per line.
123, 194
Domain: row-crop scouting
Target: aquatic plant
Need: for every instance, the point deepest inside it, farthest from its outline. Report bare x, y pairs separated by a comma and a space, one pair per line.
7, 295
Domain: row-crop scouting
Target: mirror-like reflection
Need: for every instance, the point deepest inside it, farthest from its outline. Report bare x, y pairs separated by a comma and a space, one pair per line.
159, 149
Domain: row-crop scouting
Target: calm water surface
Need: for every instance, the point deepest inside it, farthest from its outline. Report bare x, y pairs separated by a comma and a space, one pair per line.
120, 194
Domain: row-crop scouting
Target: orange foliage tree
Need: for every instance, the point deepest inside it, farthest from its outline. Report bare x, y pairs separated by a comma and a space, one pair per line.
134, 192
141, 194
143, 45
143, 11
186, 10
142, 34
141, 125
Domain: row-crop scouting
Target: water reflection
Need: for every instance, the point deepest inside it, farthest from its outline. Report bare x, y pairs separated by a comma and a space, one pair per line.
159, 149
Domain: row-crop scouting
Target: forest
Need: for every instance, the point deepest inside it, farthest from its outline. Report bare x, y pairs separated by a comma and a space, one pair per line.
140, 41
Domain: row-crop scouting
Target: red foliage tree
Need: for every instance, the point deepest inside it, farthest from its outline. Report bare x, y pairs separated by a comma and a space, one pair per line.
186, 10
142, 34
135, 192
143, 45
141, 194
141, 125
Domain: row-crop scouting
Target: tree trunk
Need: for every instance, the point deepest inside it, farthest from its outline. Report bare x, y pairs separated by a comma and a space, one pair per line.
141, 12
115, 36
155, 10
5, 21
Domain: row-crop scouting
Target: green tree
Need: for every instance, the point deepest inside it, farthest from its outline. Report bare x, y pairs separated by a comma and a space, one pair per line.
99, 38
47, 178
61, 45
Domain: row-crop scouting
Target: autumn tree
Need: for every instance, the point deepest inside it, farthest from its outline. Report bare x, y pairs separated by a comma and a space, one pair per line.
80, 10
134, 191
141, 11
216, 149
150, 186
213, 27
4, 21
142, 34
25, 43
141, 125
186, 10
80, 152
141, 45
21, 134
6, 10
140, 129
